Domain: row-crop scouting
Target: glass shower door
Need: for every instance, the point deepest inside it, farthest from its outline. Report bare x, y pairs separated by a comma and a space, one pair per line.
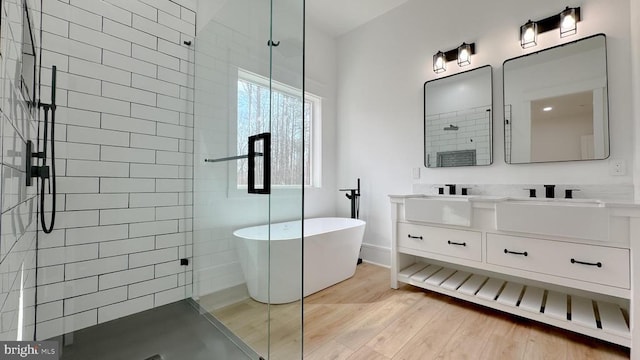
248, 173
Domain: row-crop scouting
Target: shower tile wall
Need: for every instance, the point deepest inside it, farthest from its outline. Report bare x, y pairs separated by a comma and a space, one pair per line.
124, 147
474, 131
19, 203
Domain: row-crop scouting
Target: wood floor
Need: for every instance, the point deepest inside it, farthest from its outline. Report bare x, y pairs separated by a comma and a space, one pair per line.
363, 318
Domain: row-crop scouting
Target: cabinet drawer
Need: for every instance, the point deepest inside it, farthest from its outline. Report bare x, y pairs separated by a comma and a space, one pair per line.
458, 243
592, 263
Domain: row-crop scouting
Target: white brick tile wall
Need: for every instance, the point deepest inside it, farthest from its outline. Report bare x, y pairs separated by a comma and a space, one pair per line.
94, 267
70, 47
126, 277
99, 103
166, 6
104, 9
128, 246
96, 234
55, 25
159, 86
126, 185
69, 150
169, 296
71, 185
125, 92
111, 153
129, 94
62, 255
73, 219
128, 124
95, 70
77, 117
95, 168
153, 113
50, 274
93, 300
124, 308
137, 7
128, 33
154, 142
153, 199
66, 12
129, 63
125, 216
49, 311
154, 171
86, 135
173, 185
96, 201
153, 228
99, 39
153, 286
155, 57
61, 290
153, 257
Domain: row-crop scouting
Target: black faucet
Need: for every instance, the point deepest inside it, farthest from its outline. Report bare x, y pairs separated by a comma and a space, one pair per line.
452, 189
549, 191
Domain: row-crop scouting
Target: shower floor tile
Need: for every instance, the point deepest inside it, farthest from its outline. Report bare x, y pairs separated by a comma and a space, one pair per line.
175, 331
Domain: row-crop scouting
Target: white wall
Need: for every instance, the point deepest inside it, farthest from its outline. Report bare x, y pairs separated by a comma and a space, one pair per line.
124, 147
19, 221
635, 76
383, 65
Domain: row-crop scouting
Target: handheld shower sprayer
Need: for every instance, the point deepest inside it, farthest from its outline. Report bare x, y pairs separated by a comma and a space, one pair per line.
43, 171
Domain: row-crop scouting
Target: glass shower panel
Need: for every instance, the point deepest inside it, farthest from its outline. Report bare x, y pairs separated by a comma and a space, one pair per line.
246, 88
290, 144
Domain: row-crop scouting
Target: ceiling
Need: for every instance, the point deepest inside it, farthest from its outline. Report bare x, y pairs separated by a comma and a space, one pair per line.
337, 17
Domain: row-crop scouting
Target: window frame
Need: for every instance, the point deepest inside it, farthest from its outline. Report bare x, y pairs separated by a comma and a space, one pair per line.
315, 137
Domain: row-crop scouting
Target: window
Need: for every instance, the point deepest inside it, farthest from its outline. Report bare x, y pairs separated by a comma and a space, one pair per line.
294, 142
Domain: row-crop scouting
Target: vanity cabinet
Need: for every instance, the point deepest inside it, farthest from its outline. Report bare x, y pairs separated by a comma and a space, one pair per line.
555, 274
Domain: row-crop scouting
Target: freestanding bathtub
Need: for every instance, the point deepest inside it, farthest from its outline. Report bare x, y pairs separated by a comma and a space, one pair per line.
331, 247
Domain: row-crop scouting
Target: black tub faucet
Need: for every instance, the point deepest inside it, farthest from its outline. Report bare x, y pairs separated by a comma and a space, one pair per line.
550, 191
452, 189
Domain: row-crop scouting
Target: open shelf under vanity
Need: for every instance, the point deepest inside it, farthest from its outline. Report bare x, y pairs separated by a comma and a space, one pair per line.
596, 318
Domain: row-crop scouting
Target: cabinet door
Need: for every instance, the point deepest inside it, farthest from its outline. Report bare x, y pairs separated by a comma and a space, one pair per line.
451, 242
592, 263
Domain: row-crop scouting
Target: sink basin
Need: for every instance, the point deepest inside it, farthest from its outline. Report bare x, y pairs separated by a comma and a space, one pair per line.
577, 218
439, 209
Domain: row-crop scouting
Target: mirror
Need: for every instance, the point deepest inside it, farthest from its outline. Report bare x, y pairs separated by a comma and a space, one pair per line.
556, 103
458, 119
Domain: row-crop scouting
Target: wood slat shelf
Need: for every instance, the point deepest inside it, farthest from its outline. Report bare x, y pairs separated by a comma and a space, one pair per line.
598, 319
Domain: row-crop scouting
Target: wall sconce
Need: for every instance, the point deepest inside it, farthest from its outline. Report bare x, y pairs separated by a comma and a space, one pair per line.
461, 54
566, 21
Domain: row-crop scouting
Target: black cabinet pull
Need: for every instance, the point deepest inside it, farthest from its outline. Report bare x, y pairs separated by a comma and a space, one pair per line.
415, 237
598, 264
516, 253
456, 243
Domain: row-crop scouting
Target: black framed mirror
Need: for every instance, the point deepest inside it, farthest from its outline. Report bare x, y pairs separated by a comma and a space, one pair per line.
458, 117
556, 103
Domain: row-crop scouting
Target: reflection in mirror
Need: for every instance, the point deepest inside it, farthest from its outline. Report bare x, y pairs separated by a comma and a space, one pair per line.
458, 119
556, 106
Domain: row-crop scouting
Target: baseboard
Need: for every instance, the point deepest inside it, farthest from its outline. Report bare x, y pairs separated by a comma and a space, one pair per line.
224, 297
376, 254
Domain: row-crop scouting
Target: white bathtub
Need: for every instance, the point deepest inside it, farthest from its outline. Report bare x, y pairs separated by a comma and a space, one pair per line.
331, 247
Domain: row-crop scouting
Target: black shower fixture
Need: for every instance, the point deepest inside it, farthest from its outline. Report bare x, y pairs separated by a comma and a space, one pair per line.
44, 172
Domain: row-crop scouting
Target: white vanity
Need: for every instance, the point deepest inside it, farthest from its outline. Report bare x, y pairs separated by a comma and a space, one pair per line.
564, 262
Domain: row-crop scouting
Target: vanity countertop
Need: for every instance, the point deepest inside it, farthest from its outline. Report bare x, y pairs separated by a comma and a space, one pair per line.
538, 200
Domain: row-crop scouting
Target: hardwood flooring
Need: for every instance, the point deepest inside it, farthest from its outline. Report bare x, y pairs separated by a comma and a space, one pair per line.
363, 318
